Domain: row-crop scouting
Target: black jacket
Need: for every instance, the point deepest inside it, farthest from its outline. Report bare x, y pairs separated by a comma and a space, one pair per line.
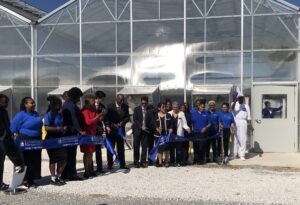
73, 117
138, 120
113, 117
4, 124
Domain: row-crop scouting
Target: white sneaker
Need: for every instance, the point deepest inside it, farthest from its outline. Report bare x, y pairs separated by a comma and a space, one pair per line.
243, 158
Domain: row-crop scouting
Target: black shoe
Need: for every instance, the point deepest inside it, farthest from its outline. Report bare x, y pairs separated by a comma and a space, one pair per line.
61, 180
150, 163
109, 167
75, 178
137, 165
208, 160
124, 167
167, 165
100, 171
159, 165
144, 165
30, 184
93, 173
4, 187
56, 182
86, 175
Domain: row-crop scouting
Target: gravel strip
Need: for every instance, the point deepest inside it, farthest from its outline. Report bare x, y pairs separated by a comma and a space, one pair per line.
182, 184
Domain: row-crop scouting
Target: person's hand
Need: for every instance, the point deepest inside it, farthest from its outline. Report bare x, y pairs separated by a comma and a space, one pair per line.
159, 130
189, 131
203, 130
82, 133
108, 130
65, 129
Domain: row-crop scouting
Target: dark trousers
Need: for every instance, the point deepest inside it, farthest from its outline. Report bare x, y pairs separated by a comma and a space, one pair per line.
115, 139
140, 140
226, 138
8, 147
180, 151
33, 161
70, 169
150, 144
99, 157
200, 148
173, 150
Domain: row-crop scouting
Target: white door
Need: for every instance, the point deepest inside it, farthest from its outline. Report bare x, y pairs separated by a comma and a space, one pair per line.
275, 129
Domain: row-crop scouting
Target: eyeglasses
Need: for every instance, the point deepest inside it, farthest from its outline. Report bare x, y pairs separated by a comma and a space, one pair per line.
144, 103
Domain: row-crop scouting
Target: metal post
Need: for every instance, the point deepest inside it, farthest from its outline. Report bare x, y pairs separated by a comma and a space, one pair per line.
298, 100
204, 47
32, 63
80, 42
252, 42
131, 44
116, 42
184, 50
242, 45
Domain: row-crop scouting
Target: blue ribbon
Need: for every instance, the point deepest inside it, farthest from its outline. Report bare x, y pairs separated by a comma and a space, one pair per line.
120, 132
69, 141
174, 138
110, 148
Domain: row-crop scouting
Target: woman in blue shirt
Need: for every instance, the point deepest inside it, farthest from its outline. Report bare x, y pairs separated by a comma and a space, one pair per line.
54, 125
201, 124
28, 125
227, 122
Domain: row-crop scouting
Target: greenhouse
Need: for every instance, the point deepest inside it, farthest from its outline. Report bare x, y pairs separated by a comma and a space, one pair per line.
184, 48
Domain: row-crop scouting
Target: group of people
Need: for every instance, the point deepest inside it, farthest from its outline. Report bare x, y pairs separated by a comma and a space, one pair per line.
65, 118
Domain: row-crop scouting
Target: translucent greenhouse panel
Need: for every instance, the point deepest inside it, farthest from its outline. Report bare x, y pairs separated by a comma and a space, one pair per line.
123, 9
7, 19
99, 70
123, 43
99, 38
15, 72
275, 66
69, 14
224, 34
247, 32
123, 70
223, 7
195, 70
195, 35
55, 71
15, 40
270, 6
145, 9
96, 10
275, 32
195, 8
18, 94
163, 70
59, 39
171, 9
223, 68
158, 37
247, 80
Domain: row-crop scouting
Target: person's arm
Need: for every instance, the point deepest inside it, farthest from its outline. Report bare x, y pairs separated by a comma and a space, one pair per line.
3, 129
184, 124
126, 116
88, 118
135, 117
16, 123
277, 109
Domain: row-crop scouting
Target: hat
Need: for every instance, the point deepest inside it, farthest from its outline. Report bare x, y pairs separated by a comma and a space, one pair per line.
211, 102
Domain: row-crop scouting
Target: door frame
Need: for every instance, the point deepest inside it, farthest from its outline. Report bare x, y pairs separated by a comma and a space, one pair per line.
297, 124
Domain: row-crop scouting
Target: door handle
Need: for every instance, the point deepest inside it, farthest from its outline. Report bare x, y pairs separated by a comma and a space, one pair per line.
258, 121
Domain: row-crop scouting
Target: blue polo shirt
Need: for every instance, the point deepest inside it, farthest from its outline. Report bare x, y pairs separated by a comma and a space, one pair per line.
57, 120
226, 119
200, 120
27, 123
214, 120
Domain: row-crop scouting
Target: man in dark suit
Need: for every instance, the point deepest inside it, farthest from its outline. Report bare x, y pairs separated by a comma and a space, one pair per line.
268, 111
117, 116
142, 126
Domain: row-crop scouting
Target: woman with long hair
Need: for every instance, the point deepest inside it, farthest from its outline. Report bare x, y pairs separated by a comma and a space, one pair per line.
91, 118
28, 125
163, 124
54, 125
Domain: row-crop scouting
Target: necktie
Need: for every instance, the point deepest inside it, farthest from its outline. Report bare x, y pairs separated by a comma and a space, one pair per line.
144, 117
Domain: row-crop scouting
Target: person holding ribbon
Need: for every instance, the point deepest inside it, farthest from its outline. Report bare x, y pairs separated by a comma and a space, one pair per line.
227, 124
28, 125
91, 118
164, 124
179, 125
142, 119
7, 145
117, 116
213, 130
54, 126
74, 121
201, 124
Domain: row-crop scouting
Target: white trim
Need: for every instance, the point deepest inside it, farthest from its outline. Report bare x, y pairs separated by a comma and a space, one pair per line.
26, 20
295, 83
56, 10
